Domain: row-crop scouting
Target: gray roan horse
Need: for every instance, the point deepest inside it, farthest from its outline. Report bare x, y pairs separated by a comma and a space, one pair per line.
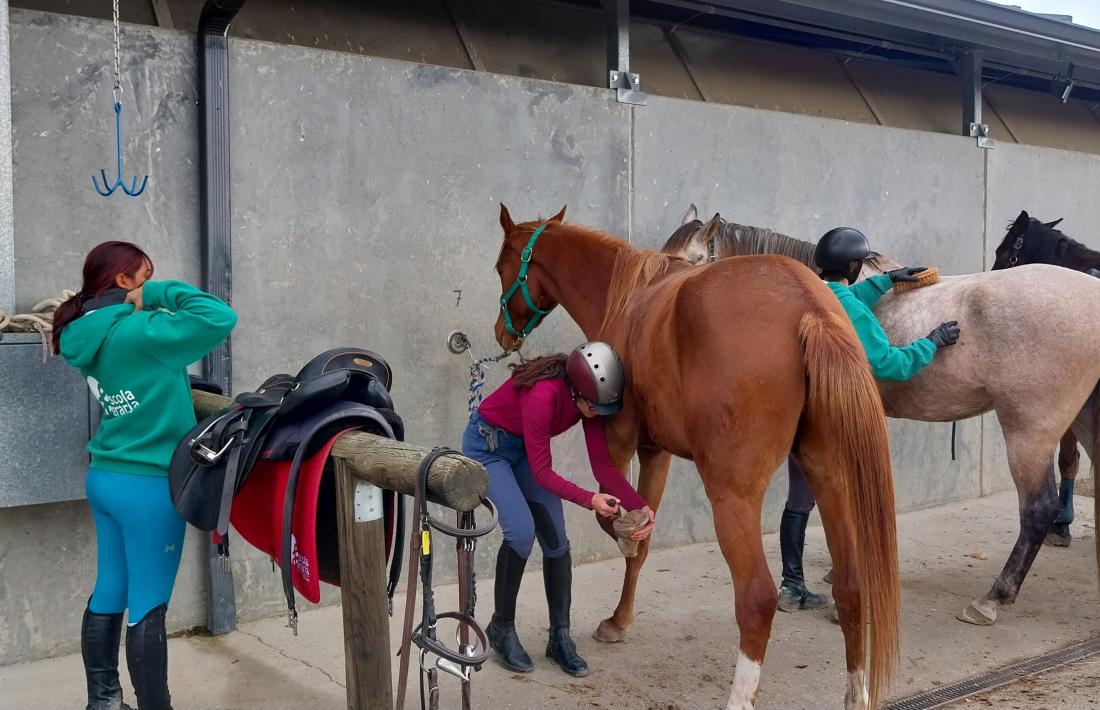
1031, 241
1038, 386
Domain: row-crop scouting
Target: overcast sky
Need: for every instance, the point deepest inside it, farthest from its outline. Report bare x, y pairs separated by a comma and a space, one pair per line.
1085, 12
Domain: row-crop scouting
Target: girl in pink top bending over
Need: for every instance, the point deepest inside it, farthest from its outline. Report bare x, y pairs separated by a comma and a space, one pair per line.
510, 435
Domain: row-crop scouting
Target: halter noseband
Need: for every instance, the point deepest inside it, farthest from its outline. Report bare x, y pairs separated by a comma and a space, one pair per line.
520, 284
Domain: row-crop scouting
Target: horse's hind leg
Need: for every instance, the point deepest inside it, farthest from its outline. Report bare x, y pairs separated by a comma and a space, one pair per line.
837, 517
1031, 460
1069, 461
652, 476
737, 524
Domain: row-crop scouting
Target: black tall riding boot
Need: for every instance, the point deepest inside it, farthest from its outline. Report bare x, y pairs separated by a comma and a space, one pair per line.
99, 640
147, 657
502, 627
557, 574
793, 594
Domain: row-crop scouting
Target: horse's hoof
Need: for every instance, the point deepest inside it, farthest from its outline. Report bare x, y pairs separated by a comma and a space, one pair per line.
609, 632
974, 614
1058, 537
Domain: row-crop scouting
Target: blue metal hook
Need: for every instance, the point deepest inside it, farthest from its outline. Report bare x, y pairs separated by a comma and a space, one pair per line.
133, 190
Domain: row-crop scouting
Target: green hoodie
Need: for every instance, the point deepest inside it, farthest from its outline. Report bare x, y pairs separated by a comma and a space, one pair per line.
887, 362
136, 365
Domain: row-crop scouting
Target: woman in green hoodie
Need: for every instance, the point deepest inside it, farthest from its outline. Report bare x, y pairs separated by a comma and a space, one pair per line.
133, 338
839, 255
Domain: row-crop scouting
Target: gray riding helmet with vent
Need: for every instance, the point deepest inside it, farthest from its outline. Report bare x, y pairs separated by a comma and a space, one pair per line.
596, 373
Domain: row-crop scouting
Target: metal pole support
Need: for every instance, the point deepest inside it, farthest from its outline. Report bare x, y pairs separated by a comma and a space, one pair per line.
970, 76
626, 84
214, 188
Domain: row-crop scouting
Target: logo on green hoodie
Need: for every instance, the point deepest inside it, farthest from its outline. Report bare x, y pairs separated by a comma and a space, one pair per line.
118, 404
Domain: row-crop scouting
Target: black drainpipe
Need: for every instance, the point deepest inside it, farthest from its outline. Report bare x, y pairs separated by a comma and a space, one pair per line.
214, 186
217, 253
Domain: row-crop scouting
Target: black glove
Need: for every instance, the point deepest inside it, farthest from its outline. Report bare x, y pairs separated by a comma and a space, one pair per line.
908, 273
946, 334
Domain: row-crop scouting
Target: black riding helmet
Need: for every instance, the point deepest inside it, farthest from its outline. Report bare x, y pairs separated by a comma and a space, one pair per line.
837, 248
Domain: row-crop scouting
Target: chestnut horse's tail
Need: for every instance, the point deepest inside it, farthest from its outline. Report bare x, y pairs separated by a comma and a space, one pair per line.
843, 391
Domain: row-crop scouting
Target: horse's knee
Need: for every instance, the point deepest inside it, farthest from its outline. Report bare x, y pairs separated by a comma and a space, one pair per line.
755, 608
1039, 513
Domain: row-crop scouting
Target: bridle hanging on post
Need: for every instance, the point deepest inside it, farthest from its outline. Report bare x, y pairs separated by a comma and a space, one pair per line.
469, 657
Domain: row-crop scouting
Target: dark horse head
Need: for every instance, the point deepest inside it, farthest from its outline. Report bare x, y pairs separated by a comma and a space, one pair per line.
1030, 241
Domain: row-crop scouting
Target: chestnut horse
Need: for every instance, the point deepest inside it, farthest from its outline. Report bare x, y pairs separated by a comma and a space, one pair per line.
1038, 388
731, 366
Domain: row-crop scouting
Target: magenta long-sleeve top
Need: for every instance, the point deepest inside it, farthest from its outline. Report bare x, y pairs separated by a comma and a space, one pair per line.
541, 413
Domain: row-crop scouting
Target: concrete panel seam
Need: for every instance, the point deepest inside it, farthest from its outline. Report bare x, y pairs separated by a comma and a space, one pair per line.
7, 201
630, 180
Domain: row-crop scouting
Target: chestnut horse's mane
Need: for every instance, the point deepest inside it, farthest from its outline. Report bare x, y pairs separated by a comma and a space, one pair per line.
634, 270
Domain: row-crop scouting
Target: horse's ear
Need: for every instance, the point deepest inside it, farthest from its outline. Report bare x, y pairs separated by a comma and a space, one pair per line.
1055, 223
709, 229
560, 215
690, 216
506, 222
1022, 221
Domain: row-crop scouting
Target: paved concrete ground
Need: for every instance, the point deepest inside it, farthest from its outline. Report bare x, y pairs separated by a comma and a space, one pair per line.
680, 655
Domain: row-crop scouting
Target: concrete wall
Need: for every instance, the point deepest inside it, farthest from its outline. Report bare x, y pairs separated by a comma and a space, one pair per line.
365, 197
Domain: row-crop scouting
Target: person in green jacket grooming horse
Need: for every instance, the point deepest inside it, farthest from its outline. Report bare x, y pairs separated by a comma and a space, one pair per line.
840, 255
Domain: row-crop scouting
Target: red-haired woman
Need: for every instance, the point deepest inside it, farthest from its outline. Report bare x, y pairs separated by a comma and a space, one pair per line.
510, 435
133, 338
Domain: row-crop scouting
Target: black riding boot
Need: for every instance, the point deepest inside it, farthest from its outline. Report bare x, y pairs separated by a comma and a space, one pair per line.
502, 627
793, 594
557, 574
147, 657
99, 640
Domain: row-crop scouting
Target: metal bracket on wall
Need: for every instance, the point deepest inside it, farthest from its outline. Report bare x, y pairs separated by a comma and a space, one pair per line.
627, 87
626, 84
969, 67
980, 131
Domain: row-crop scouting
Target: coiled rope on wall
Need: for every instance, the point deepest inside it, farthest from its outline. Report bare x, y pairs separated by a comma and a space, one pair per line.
39, 320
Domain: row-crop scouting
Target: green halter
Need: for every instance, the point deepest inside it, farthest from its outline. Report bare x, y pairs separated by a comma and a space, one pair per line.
520, 284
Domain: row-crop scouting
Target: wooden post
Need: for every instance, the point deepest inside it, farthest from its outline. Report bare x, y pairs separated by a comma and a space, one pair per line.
362, 585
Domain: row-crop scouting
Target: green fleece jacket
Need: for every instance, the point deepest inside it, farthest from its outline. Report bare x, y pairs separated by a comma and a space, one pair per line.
136, 366
887, 362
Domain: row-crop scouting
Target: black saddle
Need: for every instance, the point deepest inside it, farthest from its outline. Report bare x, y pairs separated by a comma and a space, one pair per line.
286, 418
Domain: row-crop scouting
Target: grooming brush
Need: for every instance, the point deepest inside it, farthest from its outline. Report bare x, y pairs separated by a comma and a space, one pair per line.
927, 277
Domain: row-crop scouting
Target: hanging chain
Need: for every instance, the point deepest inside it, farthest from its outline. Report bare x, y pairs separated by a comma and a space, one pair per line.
118, 70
